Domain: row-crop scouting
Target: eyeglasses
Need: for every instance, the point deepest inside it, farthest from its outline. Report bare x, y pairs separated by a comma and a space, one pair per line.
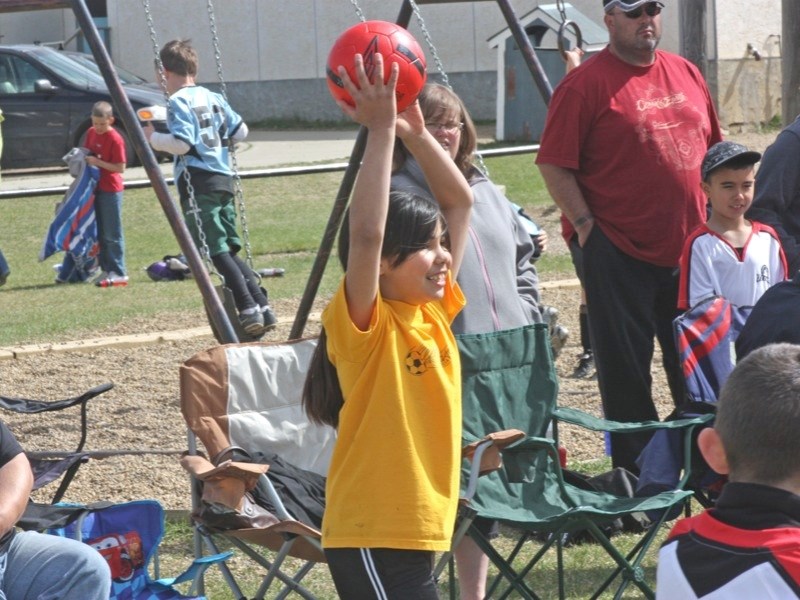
652, 9
446, 127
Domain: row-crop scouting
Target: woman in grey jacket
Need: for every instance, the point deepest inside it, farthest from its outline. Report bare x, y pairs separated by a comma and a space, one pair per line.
498, 279
497, 276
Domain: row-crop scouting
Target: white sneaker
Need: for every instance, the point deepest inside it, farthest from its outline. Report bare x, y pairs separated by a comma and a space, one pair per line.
103, 275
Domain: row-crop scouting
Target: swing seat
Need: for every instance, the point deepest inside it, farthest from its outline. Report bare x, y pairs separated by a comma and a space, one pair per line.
226, 296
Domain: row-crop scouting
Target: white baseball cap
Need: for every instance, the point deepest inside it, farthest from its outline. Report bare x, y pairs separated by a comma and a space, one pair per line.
626, 6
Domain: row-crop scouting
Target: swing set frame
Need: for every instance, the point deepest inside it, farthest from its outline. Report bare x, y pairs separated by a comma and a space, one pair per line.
217, 314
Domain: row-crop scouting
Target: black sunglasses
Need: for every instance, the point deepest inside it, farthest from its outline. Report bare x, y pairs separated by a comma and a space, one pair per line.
652, 9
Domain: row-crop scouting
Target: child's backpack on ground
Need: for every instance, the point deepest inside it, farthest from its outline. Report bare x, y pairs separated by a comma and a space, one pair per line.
169, 268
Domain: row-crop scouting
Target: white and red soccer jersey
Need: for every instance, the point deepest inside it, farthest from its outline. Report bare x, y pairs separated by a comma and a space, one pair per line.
710, 266
747, 547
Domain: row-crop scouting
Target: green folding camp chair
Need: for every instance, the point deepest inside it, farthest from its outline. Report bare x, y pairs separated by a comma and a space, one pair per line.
509, 382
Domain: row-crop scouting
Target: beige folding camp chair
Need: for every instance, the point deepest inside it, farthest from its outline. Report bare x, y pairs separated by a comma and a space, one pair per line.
260, 490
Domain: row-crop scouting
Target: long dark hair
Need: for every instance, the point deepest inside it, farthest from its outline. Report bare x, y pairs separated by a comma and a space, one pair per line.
410, 225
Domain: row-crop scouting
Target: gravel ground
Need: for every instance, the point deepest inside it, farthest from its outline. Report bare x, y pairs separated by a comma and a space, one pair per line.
142, 411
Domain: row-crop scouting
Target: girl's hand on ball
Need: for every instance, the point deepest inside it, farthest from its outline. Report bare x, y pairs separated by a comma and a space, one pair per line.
410, 121
375, 100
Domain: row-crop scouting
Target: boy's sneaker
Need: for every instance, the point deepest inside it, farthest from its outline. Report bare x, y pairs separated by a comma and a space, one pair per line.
111, 279
585, 368
270, 320
252, 322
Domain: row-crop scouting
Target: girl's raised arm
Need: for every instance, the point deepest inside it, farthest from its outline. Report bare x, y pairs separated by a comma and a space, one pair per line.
447, 184
375, 109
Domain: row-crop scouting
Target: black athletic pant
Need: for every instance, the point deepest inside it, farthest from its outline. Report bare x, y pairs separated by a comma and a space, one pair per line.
576, 252
382, 573
241, 280
630, 302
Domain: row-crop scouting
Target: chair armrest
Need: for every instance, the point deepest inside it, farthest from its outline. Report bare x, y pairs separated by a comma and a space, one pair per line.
195, 571
485, 455
23, 405
204, 470
492, 445
587, 421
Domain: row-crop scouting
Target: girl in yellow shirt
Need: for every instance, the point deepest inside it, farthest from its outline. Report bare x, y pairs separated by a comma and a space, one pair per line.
387, 372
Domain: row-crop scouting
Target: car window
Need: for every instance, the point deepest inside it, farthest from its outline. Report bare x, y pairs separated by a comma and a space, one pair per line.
7, 80
23, 74
88, 61
73, 72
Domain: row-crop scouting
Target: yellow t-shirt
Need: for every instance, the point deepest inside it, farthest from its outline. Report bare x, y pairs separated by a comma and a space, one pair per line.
394, 476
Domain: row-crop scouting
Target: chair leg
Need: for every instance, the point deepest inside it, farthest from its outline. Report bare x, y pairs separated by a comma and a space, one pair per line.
556, 537
631, 572
273, 571
503, 565
524, 537
230, 581
451, 571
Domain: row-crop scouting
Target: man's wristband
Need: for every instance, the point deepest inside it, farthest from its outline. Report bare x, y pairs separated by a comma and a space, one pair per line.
581, 221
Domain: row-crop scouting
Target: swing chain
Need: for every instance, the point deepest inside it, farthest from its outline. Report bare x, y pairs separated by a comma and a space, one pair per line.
442, 73
212, 23
566, 24
195, 210
429, 41
205, 252
159, 67
237, 180
562, 10
359, 12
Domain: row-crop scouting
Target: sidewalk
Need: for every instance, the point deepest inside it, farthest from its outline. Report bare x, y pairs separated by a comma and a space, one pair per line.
261, 149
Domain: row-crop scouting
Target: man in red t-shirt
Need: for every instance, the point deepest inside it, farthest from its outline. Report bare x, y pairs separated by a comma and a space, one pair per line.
107, 152
620, 155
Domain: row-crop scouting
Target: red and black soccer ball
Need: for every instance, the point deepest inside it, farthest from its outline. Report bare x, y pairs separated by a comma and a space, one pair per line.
394, 42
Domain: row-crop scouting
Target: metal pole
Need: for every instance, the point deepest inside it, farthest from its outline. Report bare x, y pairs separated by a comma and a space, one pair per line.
125, 111
335, 219
693, 33
790, 61
528, 53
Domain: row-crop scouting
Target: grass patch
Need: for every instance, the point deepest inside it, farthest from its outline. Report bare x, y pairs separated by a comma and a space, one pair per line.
286, 217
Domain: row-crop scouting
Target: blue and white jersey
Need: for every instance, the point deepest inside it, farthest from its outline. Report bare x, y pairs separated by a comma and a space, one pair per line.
205, 121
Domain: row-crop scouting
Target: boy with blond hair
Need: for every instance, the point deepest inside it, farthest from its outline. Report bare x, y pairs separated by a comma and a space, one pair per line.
107, 152
202, 127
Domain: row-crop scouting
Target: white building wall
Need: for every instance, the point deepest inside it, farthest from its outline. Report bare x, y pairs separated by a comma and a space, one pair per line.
275, 50
285, 39
740, 22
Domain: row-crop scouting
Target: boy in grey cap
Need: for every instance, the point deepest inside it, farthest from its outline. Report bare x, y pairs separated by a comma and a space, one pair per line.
729, 256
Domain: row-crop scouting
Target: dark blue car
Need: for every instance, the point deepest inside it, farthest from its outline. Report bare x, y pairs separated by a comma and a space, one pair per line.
47, 100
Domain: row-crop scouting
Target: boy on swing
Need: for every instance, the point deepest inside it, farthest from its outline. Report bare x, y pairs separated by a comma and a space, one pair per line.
202, 126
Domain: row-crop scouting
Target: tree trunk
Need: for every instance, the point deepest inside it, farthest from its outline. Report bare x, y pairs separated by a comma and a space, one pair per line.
790, 63
693, 33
